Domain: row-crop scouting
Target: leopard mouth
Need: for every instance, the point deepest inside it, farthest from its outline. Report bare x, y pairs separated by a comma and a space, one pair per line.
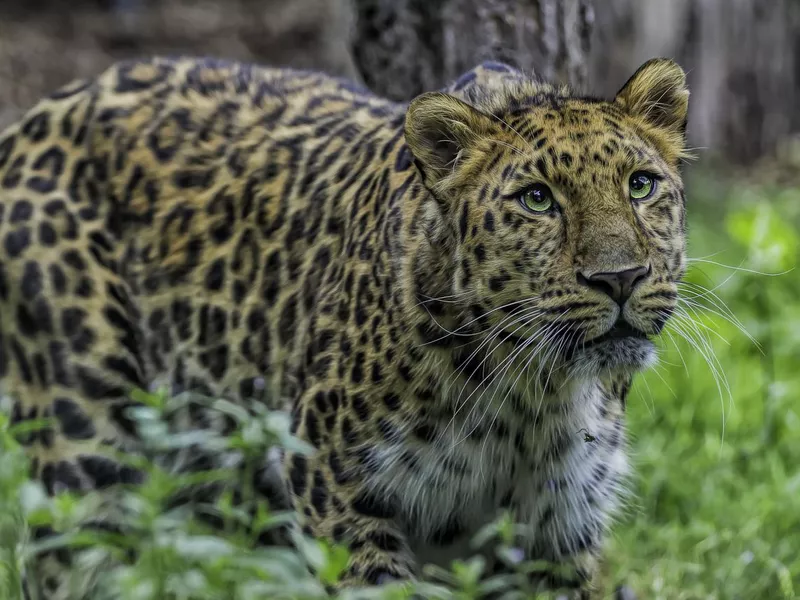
620, 330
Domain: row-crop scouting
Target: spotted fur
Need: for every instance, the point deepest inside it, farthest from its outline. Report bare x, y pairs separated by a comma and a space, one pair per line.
286, 236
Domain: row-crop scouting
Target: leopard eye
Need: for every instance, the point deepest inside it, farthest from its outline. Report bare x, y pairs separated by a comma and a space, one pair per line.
537, 199
641, 185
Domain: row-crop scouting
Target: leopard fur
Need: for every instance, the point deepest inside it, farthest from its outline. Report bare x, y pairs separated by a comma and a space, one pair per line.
221, 226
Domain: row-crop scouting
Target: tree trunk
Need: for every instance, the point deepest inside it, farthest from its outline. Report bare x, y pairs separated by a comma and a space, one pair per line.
399, 47
405, 47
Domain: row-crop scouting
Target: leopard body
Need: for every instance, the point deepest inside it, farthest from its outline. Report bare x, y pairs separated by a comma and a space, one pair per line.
367, 266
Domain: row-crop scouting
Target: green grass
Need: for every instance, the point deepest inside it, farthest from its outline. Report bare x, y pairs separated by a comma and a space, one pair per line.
716, 506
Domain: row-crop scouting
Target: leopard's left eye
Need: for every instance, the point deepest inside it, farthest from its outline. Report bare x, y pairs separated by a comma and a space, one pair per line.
538, 199
641, 185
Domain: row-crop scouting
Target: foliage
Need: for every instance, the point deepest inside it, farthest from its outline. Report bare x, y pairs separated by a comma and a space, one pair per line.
715, 511
178, 555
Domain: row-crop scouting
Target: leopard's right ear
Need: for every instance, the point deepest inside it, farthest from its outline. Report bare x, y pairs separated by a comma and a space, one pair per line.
440, 130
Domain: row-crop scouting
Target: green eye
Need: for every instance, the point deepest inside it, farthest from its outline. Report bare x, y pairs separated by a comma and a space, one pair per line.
641, 185
538, 199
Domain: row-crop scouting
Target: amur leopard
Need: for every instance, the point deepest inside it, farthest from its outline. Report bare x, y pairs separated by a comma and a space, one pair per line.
450, 297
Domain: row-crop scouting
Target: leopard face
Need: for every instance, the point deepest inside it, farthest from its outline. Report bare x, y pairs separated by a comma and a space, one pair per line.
566, 215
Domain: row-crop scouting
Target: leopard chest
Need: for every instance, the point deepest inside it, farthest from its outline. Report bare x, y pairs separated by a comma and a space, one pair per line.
467, 472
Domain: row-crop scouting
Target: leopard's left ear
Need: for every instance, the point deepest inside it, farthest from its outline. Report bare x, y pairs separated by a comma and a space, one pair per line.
440, 131
657, 93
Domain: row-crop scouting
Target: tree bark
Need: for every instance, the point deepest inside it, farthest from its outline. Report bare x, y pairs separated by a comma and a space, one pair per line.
405, 47
742, 58
399, 48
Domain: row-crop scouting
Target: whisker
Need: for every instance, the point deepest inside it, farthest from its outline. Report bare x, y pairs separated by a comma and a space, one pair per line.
545, 340
507, 145
443, 299
650, 405
723, 311
740, 268
700, 291
537, 376
518, 134
467, 324
682, 313
704, 349
514, 317
460, 404
506, 364
712, 297
558, 351
678, 350
511, 387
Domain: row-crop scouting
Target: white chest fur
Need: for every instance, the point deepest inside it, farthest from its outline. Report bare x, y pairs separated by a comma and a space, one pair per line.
547, 473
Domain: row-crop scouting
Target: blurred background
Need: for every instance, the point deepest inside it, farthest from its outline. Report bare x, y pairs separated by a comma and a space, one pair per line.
716, 429
741, 55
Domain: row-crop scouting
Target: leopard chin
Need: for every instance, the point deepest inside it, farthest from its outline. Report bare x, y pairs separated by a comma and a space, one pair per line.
629, 354
621, 349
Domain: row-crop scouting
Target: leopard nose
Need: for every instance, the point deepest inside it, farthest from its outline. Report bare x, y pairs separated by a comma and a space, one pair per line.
619, 285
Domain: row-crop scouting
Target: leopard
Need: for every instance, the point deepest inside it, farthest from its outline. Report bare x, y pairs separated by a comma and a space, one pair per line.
450, 297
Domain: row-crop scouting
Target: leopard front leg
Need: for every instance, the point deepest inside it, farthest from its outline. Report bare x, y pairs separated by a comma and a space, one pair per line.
573, 577
579, 576
336, 504
331, 491
567, 544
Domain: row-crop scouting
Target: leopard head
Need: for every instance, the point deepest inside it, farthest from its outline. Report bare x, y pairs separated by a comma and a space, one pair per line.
557, 220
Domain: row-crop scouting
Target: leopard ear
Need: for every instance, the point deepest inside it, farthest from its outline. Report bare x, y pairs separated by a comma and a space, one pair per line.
440, 129
658, 94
